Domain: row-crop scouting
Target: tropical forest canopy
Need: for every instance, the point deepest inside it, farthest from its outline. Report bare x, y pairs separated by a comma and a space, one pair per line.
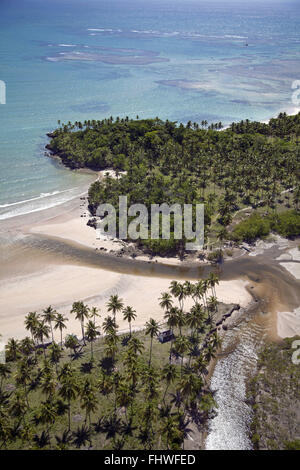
249, 164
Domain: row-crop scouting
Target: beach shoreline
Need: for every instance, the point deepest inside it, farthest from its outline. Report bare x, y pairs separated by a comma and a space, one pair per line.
64, 281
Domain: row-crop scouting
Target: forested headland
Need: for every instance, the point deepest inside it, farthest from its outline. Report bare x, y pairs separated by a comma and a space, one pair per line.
249, 165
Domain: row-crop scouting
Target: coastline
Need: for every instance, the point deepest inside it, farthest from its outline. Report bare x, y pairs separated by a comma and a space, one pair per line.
37, 279
46, 277
67, 222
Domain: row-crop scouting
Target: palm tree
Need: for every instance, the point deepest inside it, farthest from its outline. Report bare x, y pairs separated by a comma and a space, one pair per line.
89, 403
48, 386
180, 320
181, 345
46, 414
95, 313
31, 321
212, 281
200, 289
135, 345
128, 315
12, 350
27, 346
169, 374
166, 301
114, 305
109, 325
177, 289
152, 329
171, 317
49, 315
59, 323
91, 334
72, 342
81, 313
55, 354
42, 332
23, 376
195, 317
4, 373
69, 391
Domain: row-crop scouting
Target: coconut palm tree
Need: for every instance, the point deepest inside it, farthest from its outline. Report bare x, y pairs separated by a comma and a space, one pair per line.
89, 403
69, 391
46, 414
27, 346
152, 329
31, 321
12, 350
60, 324
128, 315
81, 313
91, 334
48, 386
55, 354
181, 345
135, 345
114, 305
169, 374
94, 311
195, 317
212, 281
166, 301
5, 372
42, 332
177, 290
49, 315
200, 289
109, 325
72, 342
23, 376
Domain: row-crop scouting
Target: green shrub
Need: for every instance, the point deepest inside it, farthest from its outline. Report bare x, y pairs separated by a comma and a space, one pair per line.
287, 224
252, 228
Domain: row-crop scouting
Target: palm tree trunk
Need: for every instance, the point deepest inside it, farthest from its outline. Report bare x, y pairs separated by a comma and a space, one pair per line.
44, 347
150, 351
52, 332
69, 415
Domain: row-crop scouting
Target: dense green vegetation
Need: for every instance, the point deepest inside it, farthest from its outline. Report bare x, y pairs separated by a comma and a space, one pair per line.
286, 224
117, 391
275, 398
248, 165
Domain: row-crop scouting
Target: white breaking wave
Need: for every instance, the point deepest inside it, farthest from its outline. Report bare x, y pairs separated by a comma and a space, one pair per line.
42, 195
183, 34
41, 202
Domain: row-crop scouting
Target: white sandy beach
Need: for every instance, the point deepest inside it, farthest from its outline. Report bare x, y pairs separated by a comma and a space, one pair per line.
61, 283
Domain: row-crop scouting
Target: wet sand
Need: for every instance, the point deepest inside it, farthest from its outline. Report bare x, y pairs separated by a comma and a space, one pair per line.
50, 257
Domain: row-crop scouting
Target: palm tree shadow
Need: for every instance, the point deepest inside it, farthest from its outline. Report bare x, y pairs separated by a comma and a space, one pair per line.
107, 364
86, 367
76, 355
82, 436
125, 340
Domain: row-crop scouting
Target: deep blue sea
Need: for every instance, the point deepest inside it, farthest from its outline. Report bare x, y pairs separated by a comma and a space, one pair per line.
90, 59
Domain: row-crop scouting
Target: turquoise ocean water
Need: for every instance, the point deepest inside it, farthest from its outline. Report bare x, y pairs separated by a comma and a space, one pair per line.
90, 59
